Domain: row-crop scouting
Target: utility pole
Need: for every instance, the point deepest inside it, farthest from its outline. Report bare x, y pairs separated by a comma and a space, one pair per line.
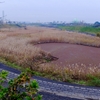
3, 15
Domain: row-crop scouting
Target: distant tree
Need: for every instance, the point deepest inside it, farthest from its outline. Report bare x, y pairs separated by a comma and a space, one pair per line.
96, 24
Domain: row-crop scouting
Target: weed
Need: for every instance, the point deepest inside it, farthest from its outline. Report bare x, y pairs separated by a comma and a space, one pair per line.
94, 81
98, 34
81, 82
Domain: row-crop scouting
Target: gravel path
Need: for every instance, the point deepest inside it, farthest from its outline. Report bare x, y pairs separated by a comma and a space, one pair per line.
54, 90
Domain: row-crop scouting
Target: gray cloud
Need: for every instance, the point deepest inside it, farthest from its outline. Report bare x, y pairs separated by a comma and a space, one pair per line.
51, 10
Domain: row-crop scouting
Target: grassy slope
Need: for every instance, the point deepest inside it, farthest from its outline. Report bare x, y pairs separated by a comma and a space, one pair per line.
84, 29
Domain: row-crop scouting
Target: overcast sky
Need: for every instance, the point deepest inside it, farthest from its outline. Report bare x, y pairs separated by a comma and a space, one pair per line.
51, 10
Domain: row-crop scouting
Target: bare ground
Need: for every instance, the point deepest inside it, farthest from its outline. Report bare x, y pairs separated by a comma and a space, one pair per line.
72, 54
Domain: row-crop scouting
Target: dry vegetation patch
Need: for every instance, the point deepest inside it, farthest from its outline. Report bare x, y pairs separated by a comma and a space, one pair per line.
18, 46
14, 48
70, 71
51, 35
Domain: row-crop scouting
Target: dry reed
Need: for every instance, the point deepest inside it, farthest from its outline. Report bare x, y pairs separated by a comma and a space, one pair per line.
17, 46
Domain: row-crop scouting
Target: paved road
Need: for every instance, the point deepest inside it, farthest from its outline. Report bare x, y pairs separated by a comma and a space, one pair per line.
59, 90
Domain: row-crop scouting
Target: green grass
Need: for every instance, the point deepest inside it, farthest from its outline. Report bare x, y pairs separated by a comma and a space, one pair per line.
83, 29
13, 65
81, 82
93, 81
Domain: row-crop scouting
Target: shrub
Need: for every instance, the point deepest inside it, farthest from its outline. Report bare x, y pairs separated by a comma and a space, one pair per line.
21, 88
98, 34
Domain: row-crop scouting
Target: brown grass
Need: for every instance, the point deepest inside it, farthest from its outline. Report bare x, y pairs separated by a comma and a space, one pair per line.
17, 46
74, 71
51, 35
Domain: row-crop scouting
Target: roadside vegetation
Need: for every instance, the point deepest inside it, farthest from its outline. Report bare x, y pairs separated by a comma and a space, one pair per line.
17, 49
21, 88
82, 29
